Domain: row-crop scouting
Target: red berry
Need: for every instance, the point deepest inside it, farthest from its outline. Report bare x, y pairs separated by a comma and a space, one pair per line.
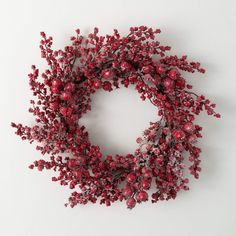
127, 192
186, 181
147, 69
125, 65
131, 178
56, 83
97, 84
55, 90
78, 174
107, 73
71, 163
189, 127
142, 196
192, 138
146, 173
54, 105
159, 159
107, 86
180, 82
168, 83
131, 202
159, 69
139, 140
43, 34
69, 87
125, 82
63, 111
178, 134
65, 96
54, 178
31, 166
179, 147
145, 184
172, 73
72, 185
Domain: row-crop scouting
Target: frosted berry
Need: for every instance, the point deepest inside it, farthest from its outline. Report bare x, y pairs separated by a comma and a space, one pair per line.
107, 73
65, 96
131, 202
178, 134
189, 127
131, 178
96, 84
142, 196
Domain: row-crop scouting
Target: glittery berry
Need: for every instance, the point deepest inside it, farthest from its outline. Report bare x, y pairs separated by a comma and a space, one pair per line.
127, 192
107, 73
131, 178
65, 96
172, 73
142, 196
178, 134
131, 202
145, 184
96, 84
159, 69
168, 83
189, 127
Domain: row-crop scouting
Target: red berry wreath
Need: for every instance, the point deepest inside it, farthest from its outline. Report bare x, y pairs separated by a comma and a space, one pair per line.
63, 95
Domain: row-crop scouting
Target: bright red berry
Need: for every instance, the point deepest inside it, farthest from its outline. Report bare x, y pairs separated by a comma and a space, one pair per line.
192, 138
127, 192
189, 127
173, 73
107, 73
180, 82
145, 184
56, 83
159, 69
178, 134
131, 178
147, 69
125, 65
71, 163
168, 83
65, 96
131, 202
54, 105
97, 84
69, 87
142, 196
107, 86
63, 111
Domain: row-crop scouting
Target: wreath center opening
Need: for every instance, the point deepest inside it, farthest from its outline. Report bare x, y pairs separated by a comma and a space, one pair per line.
117, 118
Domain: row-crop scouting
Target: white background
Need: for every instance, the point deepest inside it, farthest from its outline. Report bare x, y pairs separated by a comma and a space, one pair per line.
32, 205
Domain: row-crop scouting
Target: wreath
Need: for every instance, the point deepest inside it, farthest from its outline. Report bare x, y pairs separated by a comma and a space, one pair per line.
63, 94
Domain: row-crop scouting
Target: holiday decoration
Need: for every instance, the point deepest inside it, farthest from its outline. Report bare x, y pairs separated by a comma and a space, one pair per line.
63, 94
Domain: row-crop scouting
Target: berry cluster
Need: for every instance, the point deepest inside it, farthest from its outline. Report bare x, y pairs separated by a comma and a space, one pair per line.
63, 94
